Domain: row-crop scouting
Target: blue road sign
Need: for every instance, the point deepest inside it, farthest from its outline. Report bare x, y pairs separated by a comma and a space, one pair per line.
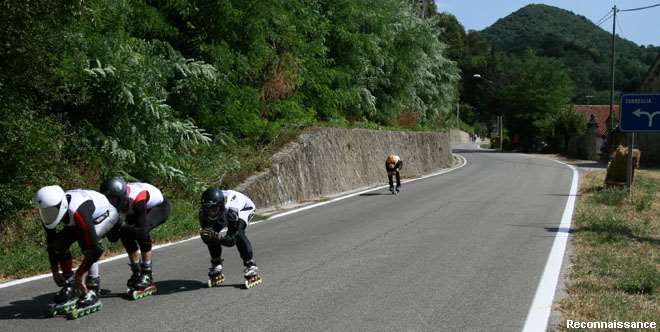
640, 113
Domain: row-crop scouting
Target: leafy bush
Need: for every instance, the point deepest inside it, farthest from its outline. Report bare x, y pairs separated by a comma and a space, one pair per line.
29, 155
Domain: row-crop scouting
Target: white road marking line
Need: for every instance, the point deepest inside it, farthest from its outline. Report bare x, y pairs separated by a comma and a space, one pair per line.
42, 276
463, 162
539, 311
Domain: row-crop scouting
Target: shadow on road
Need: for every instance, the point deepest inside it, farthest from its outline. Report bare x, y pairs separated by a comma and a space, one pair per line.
167, 287
559, 230
35, 308
164, 287
241, 286
374, 194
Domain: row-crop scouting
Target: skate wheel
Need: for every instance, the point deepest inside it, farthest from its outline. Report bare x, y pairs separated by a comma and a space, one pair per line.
151, 290
253, 282
216, 281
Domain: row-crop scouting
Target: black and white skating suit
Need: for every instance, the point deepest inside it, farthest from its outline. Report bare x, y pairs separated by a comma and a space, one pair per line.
145, 210
235, 203
89, 217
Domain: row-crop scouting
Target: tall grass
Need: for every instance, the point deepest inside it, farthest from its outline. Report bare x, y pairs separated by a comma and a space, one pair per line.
614, 272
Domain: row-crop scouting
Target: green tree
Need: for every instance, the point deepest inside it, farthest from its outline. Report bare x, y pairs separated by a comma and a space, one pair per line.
538, 90
563, 125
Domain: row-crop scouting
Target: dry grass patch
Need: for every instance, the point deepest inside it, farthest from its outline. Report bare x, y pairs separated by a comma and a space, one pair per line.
615, 269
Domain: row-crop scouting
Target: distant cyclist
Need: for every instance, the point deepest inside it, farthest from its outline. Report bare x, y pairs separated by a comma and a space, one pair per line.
393, 166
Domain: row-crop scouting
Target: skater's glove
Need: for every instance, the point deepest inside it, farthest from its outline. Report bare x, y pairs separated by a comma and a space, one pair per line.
208, 235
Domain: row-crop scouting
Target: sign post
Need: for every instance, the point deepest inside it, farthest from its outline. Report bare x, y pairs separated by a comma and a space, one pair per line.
640, 113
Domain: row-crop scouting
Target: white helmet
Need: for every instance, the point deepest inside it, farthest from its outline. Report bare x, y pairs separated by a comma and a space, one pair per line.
52, 204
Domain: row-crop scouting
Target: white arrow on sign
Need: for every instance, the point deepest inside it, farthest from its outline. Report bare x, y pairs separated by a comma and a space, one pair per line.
638, 113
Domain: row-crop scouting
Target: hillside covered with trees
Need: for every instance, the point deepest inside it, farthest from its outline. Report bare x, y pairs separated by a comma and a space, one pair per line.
531, 66
583, 47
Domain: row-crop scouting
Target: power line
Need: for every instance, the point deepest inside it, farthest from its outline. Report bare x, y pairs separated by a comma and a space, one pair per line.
619, 26
640, 8
605, 17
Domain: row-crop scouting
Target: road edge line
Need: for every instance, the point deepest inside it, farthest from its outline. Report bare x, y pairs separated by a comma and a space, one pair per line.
120, 256
541, 307
463, 163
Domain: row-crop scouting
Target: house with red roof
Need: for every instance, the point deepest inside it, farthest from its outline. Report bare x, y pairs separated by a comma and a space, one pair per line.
601, 114
589, 145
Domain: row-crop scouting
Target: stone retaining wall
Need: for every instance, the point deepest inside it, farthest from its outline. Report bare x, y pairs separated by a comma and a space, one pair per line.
326, 161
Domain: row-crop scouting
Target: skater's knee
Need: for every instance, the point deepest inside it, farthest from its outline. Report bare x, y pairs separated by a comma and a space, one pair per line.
128, 232
143, 235
59, 248
145, 245
130, 245
94, 252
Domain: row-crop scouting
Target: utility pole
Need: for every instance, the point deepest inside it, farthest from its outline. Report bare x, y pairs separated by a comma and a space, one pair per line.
612, 75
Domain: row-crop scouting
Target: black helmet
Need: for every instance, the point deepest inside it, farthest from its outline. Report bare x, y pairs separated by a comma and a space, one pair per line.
114, 187
212, 197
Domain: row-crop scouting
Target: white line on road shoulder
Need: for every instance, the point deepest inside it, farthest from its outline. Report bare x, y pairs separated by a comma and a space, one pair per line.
42, 276
539, 311
463, 162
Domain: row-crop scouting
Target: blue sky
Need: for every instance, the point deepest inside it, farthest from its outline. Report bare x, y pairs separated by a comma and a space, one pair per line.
641, 27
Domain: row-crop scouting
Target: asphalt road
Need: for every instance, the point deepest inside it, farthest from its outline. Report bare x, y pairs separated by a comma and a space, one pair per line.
462, 251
